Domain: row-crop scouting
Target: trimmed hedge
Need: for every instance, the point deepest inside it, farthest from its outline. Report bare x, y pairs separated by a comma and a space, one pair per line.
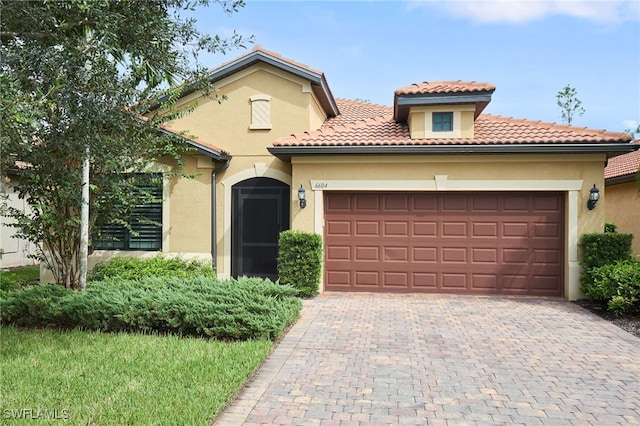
300, 261
606, 248
609, 273
132, 268
247, 308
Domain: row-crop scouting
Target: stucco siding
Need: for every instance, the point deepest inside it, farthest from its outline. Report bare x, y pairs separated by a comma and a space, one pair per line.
226, 124
622, 207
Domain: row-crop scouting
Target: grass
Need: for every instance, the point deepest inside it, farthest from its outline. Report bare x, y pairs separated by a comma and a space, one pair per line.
14, 278
96, 378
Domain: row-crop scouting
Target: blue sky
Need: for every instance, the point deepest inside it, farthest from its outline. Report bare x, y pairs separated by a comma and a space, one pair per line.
528, 49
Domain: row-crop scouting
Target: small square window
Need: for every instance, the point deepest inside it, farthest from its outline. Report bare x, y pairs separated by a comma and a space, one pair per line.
443, 121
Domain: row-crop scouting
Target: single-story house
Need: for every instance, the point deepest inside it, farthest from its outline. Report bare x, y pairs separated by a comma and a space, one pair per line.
623, 194
428, 195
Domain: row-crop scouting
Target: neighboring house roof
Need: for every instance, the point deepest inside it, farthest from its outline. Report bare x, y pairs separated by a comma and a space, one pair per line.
371, 129
623, 168
317, 78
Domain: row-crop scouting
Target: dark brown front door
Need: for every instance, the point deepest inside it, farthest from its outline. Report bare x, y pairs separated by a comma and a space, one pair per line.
507, 243
260, 213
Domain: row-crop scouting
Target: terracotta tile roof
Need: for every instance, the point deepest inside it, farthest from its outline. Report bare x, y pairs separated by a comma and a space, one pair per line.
623, 165
364, 124
353, 111
457, 86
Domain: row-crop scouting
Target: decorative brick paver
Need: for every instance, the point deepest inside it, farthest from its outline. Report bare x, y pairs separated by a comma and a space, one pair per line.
410, 359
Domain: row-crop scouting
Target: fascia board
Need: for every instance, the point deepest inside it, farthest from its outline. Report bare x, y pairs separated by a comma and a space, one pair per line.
611, 149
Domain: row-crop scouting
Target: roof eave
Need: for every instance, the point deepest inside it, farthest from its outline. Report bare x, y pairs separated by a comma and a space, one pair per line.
318, 81
611, 149
620, 179
402, 103
202, 149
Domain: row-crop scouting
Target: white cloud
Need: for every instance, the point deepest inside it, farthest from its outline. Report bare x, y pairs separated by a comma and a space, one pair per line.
630, 124
517, 11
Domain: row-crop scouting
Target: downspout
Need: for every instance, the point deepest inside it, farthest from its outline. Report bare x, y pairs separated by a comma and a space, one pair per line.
214, 234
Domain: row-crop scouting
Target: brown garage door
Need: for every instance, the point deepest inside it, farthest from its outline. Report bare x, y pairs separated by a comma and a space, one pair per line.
509, 243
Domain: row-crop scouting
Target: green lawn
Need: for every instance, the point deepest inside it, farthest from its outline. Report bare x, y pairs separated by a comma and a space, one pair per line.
92, 378
18, 277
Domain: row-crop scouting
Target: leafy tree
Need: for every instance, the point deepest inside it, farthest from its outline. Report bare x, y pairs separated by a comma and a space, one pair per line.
76, 75
569, 104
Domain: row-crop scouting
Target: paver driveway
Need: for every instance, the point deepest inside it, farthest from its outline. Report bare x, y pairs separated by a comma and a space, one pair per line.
356, 359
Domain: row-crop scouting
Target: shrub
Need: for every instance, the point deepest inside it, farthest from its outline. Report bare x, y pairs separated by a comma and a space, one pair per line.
300, 261
610, 227
132, 268
602, 249
617, 283
247, 308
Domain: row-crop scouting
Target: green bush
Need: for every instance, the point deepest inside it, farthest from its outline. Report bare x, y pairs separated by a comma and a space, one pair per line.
247, 308
617, 283
610, 227
602, 249
132, 268
300, 261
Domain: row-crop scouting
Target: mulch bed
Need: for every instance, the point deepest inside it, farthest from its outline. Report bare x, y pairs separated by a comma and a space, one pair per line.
630, 322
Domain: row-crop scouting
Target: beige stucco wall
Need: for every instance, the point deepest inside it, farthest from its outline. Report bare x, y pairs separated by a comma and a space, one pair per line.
225, 124
573, 175
622, 203
420, 121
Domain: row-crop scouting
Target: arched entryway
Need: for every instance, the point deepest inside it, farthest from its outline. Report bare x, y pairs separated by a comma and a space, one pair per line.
260, 212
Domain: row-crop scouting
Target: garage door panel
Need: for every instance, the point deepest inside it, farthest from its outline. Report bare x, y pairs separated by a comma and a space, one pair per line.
455, 203
484, 282
454, 229
515, 229
368, 228
366, 202
336, 228
428, 203
425, 254
396, 279
396, 202
484, 229
425, 229
338, 253
454, 255
453, 281
396, 229
516, 203
544, 230
485, 204
339, 278
367, 278
396, 254
510, 243
364, 253
484, 255
425, 281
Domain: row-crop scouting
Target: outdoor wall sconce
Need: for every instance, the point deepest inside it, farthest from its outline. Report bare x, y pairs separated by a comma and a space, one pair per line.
302, 197
594, 196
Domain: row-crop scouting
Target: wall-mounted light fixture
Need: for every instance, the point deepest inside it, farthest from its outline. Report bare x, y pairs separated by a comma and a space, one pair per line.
302, 197
594, 196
